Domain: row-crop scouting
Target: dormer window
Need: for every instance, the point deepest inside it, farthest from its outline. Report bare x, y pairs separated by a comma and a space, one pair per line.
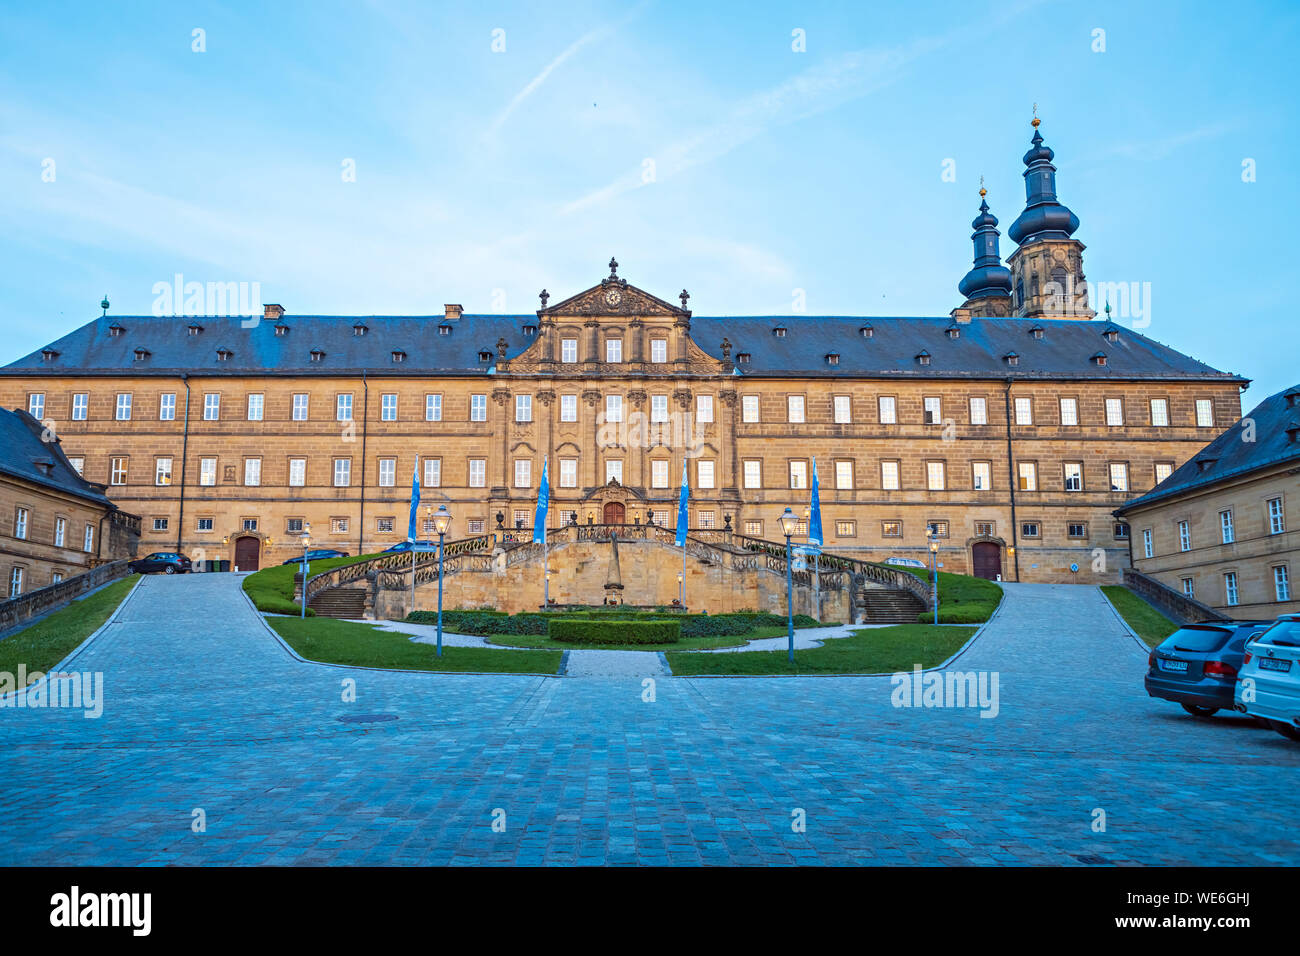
1099, 358
1112, 335
223, 355
444, 329
866, 331
1293, 432
141, 354
923, 358
360, 329
1011, 358
833, 358
115, 330
1292, 397
281, 329
399, 355
779, 331
49, 355
1036, 331
195, 328
317, 355
952, 331
1205, 464
530, 330
484, 355
742, 358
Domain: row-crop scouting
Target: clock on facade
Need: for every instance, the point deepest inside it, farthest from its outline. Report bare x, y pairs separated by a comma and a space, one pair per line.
613, 297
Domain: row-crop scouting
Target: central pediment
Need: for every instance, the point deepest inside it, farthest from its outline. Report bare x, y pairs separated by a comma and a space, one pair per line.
615, 296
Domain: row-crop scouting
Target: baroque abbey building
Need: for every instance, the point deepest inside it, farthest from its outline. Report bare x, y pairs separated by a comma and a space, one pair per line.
1010, 429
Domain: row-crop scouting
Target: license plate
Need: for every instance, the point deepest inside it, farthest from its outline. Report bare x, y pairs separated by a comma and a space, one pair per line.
1180, 666
1273, 664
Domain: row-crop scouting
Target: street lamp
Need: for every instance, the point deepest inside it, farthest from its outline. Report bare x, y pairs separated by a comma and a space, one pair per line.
306, 542
681, 590
441, 524
934, 575
788, 524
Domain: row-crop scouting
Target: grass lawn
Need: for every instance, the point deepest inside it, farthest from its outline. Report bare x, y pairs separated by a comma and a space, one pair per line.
332, 641
883, 650
685, 644
272, 588
42, 645
1152, 626
962, 599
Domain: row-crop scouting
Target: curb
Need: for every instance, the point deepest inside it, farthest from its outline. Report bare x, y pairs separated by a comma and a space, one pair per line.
1123, 623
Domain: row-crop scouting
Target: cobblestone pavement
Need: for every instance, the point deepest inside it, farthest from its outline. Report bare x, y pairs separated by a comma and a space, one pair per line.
206, 710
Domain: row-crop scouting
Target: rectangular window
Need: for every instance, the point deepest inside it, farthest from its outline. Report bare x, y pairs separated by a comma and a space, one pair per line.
1076, 529
844, 475
981, 475
1163, 470
60, 531
300, 406
613, 350
1118, 476
704, 519
250, 524
211, 407
1230, 587
20, 523
123, 409
160, 524
387, 472
659, 473
342, 472
1069, 411
384, 525
162, 471
80, 402
888, 410
1204, 413
704, 409
933, 410
658, 408
979, 411
433, 408
1275, 523
293, 525
1024, 411
521, 519
78, 465
167, 407
1159, 412
846, 529
754, 527
388, 407
523, 472
432, 473
338, 525
523, 408
749, 409
252, 471
658, 351
568, 408
568, 350
614, 470
984, 529
891, 529
1114, 412
753, 473
568, 517
256, 401
936, 529
478, 408
117, 471
1074, 476
297, 472
207, 471
1121, 531
613, 408
798, 474
1148, 548
1029, 529
1189, 587
794, 408
343, 408
203, 524
15, 582
1281, 583
88, 539
568, 473
889, 475
1028, 476
843, 410
704, 473
477, 472
934, 475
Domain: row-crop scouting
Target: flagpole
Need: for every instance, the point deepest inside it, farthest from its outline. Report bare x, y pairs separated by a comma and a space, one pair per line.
411, 530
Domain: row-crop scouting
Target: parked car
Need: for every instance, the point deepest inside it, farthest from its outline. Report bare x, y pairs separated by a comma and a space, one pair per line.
168, 562
406, 546
317, 554
1268, 687
1197, 665
906, 562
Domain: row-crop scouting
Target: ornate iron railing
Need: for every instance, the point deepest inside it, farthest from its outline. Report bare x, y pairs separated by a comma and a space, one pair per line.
400, 562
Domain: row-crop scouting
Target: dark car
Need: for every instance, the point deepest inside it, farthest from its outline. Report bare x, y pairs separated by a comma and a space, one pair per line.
406, 546
1197, 665
317, 554
168, 562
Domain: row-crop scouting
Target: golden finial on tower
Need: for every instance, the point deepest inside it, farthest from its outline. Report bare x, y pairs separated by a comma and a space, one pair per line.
983, 192
1035, 121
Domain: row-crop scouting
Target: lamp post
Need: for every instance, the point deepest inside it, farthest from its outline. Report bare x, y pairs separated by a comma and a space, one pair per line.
306, 541
788, 524
934, 575
441, 524
681, 590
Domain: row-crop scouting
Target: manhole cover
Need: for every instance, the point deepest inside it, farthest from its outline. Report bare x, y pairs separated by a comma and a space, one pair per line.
366, 718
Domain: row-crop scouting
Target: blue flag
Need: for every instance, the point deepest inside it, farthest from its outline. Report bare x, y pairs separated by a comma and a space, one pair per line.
682, 514
815, 512
415, 500
543, 503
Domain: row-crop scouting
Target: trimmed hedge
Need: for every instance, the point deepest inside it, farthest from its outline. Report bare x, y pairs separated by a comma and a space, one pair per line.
483, 623
573, 630
488, 623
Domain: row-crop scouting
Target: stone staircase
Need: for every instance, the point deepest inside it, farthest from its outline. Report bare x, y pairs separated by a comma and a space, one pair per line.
881, 605
340, 602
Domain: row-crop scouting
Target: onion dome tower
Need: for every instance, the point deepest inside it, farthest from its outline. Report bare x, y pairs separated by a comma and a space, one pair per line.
1047, 268
987, 287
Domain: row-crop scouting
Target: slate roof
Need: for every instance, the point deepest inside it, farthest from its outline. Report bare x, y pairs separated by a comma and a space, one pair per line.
1228, 456
20, 437
1064, 351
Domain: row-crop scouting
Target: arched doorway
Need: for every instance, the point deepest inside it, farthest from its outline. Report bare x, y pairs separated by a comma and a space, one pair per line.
615, 513
986, 556
247, 552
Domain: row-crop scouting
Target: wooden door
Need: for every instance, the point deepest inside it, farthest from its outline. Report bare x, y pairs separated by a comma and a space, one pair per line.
246, 553
615, 513
987, 558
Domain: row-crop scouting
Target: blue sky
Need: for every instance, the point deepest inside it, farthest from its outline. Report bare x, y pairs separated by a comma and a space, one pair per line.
483, 176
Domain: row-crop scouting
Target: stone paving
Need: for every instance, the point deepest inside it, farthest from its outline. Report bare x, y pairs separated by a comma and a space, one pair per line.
205, 709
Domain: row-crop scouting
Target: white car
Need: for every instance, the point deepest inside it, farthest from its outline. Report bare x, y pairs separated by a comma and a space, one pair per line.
1268, 684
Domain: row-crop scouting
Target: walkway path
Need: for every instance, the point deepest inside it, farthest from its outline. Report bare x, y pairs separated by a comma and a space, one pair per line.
205, 709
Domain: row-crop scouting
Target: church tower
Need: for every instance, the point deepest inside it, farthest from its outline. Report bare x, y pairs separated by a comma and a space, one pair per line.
1047, 268
987, 287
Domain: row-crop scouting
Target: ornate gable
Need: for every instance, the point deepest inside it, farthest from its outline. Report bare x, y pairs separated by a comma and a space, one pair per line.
615, 297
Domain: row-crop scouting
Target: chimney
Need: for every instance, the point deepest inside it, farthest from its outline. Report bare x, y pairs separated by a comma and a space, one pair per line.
273, 311
453, 312
961, 316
